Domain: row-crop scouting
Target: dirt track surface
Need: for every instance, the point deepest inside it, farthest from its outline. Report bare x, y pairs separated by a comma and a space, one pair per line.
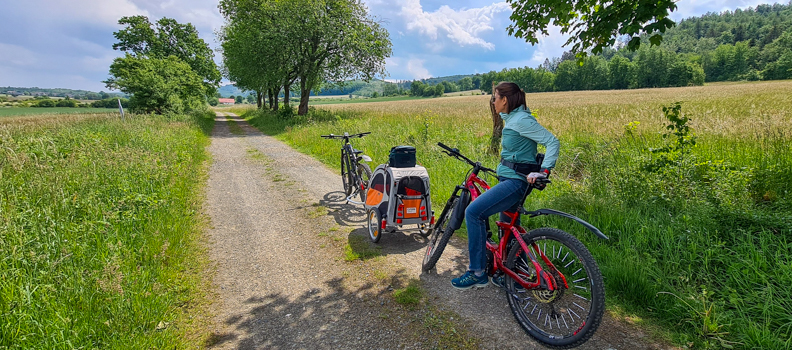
282, 284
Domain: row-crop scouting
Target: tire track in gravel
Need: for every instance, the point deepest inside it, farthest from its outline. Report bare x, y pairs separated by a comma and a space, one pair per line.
277, 288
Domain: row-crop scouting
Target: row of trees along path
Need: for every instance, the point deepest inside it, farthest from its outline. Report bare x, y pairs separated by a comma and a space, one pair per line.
270, 45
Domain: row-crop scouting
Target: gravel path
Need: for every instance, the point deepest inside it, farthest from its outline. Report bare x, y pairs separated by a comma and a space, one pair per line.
278, 225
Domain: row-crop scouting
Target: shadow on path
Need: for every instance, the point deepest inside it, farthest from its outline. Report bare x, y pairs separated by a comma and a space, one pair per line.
313, 320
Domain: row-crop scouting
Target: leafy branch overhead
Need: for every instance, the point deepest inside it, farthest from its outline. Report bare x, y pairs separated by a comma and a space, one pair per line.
592, 24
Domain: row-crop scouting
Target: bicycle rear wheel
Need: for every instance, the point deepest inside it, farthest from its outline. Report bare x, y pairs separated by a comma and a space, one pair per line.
363, 175
346, 173
439, 237
567, 316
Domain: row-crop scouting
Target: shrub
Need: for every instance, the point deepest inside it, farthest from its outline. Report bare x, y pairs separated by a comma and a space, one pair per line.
46, 103
66, 103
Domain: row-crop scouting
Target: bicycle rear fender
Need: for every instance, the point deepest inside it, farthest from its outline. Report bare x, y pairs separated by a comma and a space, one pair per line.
455, 222
585, 224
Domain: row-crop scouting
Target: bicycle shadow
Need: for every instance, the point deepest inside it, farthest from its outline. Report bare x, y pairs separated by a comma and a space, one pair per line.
344, 214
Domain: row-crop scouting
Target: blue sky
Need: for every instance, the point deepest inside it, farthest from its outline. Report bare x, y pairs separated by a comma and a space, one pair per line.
68, 44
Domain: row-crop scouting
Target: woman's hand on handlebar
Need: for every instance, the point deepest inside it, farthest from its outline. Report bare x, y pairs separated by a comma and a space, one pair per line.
541, 176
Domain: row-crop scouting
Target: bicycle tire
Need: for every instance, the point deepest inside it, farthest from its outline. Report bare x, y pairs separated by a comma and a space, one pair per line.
439, 237
562, 301
346, 177
363, 175
374, 224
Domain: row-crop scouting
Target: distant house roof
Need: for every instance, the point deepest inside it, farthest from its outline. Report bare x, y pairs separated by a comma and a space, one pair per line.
226, 100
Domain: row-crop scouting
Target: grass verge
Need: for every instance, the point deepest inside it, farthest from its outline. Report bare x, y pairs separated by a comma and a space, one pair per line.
101, 232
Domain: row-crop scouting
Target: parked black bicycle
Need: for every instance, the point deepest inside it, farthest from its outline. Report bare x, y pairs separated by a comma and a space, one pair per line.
355, 175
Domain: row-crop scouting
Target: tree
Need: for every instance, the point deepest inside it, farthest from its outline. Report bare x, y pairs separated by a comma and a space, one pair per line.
317, 41
165, 38
621, 72
439, 89
250, 98
46, 103
157, 85
416, 88
465, 84
238, 99
477, 82
67, 102
593, 24
336, 40
390, 89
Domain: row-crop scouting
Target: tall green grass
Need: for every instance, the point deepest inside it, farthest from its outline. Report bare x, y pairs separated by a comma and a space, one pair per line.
22, 111
99, 231
701, 245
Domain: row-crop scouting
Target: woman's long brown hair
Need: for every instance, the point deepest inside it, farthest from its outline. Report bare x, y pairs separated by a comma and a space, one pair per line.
514, 95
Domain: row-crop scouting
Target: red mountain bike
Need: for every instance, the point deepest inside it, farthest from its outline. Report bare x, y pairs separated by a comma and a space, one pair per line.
553, 285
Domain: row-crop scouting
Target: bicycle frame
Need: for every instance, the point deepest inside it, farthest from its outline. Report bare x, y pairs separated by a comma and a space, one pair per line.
476, 186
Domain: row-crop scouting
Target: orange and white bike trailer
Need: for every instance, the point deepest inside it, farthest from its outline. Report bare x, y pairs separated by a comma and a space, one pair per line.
398, 197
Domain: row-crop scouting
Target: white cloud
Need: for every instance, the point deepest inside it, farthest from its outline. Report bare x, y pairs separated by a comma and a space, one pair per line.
549, 46
416, 69
462, 27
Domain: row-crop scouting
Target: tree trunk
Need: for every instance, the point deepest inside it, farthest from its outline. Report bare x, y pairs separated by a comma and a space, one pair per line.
259, 99
273, 96
305, 93
497, 126
286, 95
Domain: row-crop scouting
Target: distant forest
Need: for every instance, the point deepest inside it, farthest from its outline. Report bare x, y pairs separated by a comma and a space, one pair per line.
751, 44
75, 94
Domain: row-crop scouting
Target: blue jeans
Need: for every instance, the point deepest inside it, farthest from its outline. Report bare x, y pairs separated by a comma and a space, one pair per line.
505, 196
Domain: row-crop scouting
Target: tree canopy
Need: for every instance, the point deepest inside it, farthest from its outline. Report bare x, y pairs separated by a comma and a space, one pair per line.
165, 38
167, 68
270, 45
157, 85
593, 24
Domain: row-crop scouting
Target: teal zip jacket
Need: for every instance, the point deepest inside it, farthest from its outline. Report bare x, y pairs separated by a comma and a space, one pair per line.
521, 133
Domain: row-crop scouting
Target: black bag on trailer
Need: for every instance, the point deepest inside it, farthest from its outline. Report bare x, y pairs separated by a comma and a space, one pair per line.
402, 157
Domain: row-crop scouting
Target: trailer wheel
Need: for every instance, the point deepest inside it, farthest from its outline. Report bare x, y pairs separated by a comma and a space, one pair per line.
374, 224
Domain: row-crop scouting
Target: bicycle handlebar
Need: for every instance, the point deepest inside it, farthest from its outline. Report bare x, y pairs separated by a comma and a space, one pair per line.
345, 135
453, 152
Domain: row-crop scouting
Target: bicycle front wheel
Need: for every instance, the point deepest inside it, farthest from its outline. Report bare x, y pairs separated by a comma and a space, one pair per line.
569, 315
439, 237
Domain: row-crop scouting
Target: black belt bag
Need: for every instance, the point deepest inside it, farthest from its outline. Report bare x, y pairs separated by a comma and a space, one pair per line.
525, 168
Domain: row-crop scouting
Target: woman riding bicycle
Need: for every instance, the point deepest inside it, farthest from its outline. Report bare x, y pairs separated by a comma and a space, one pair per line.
521, 134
